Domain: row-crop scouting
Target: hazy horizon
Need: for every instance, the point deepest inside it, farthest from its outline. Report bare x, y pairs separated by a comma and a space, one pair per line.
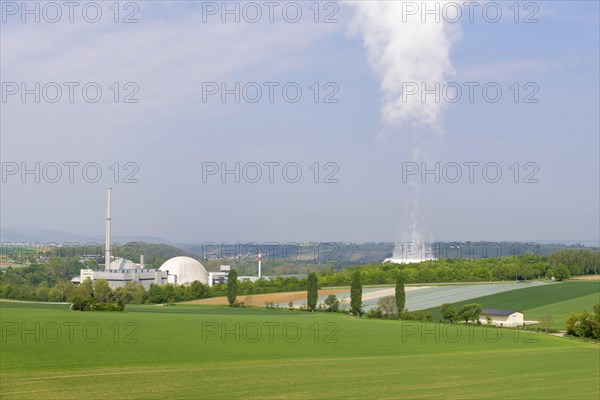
34, 235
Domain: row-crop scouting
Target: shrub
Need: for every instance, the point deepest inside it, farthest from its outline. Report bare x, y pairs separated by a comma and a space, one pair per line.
332, 304
77, 304
387, 306
559, 272
421, 316
416, 315
90, 304
585, 324
470, 312
373, 313
448, 312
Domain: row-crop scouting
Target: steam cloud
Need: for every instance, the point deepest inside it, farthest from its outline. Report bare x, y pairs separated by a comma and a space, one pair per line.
403, 48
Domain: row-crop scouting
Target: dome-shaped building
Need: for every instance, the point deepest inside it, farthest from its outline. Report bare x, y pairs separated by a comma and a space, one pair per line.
123, 264
186, 270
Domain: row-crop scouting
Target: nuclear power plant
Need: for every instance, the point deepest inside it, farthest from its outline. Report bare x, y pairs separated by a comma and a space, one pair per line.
177, 270
411, 252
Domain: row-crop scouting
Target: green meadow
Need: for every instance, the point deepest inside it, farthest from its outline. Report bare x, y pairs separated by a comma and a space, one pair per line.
560, 311
190, 352
558, 300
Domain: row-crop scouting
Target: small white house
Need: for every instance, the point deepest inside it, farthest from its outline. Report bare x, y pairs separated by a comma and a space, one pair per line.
502, 317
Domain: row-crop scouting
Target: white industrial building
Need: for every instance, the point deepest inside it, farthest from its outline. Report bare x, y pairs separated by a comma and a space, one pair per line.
177, 270
120, 271
121, 276
220, 276
502, 317
123, 264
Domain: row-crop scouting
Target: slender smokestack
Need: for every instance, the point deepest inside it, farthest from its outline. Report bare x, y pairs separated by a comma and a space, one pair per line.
141, 261
107, 241
259, 262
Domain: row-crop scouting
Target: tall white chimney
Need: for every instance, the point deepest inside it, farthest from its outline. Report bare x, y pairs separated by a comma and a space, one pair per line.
107, 240
259, 263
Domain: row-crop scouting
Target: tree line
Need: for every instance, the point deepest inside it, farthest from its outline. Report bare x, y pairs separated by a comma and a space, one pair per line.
50, 281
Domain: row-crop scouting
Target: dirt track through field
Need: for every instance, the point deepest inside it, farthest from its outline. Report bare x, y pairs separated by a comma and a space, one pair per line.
587, 278
261, 299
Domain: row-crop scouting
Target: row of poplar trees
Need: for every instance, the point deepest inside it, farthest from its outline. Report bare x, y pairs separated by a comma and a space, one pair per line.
355, 293
313, 292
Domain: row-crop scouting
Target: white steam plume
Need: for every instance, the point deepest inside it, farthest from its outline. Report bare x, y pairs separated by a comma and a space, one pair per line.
406, 46
402, 49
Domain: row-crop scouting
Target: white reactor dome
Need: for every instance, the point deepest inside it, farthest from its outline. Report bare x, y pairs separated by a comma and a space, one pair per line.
122, 264
186, 269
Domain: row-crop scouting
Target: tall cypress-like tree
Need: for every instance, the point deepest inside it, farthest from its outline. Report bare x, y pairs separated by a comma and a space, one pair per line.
232, 285
356, 293
400, 295
312, 292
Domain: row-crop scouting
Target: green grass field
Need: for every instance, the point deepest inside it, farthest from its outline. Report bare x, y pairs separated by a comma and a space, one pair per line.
559, 300
560, 311
181, 352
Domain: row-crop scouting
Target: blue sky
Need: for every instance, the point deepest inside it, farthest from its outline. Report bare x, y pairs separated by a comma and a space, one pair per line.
171, 131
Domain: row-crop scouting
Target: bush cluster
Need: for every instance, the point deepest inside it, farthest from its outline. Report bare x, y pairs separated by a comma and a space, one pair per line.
406, 315
91, 304
586, 324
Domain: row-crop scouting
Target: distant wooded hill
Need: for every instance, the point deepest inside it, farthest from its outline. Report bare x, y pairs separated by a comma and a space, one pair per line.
291, 258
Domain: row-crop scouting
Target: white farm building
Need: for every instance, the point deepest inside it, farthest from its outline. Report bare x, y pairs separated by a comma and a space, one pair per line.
502, 317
